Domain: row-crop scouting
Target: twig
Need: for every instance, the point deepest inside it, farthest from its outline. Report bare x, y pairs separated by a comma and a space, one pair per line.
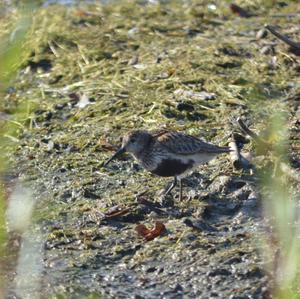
285, 15
284, 38
249, 132
116, 213
240, 11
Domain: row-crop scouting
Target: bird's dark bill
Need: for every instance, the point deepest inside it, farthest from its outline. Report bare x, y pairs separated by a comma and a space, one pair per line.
118, 153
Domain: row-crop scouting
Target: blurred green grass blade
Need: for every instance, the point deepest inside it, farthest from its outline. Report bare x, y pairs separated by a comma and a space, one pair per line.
12, 53
12, 47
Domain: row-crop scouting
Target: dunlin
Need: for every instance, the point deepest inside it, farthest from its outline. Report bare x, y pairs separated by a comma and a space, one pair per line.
168, 153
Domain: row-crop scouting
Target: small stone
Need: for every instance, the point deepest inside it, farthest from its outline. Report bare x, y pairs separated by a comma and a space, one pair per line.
134, 60
133, 31
60, 106
262, 33
267, 50
50, 145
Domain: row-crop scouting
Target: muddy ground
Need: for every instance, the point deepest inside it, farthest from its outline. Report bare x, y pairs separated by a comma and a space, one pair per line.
94, 73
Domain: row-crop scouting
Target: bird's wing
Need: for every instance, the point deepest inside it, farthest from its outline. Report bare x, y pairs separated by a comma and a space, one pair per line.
183, 144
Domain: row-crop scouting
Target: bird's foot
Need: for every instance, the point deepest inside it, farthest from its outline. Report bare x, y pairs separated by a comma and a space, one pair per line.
165, 199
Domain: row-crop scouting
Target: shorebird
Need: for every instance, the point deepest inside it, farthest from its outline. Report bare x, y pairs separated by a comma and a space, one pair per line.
168, 153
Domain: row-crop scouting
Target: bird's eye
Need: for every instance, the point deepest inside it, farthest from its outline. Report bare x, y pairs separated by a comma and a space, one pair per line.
133, 140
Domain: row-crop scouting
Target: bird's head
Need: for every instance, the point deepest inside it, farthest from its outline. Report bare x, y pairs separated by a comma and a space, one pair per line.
134, 142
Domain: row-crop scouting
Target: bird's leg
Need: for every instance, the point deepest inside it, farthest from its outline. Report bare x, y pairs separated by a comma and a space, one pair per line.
180, 189
174, 183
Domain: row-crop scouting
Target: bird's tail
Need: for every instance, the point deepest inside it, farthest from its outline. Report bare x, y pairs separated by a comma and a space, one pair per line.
223, 149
